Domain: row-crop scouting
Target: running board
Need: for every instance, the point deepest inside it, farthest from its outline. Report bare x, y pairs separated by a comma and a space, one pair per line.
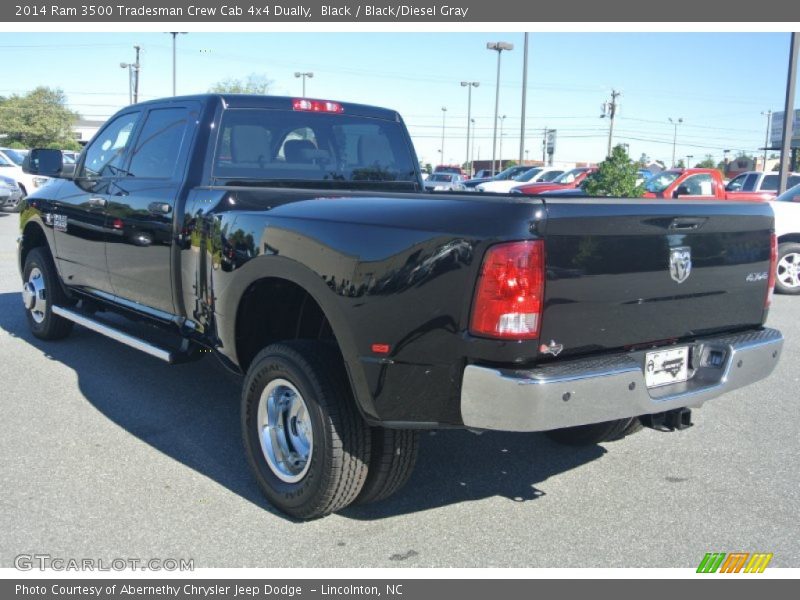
115, 334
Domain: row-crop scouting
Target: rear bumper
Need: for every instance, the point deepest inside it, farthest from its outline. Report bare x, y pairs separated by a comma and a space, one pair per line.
595, 389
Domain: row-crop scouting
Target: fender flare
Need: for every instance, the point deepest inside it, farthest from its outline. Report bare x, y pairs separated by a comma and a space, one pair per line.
279, 267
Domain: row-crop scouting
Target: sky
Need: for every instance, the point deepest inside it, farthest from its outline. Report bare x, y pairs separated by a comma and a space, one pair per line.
718, 83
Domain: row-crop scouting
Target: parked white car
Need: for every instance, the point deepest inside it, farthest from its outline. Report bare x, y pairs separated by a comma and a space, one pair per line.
533, 175
787, 227
11, 166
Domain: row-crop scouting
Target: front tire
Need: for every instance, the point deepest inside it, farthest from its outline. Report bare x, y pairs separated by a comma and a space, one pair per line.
41, 289
787, 277
306, 443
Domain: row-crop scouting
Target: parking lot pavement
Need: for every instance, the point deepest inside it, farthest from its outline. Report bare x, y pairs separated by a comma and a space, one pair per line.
108, 453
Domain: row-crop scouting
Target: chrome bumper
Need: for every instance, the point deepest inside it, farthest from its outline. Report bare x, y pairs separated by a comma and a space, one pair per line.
591, 390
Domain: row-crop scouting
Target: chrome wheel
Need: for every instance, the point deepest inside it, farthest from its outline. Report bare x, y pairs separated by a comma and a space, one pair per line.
285, 431
34, 295
789, 270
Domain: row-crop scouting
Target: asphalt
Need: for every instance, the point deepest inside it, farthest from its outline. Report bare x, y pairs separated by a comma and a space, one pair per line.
108, 453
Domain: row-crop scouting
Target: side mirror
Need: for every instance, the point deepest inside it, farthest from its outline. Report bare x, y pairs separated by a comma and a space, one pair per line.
47, 163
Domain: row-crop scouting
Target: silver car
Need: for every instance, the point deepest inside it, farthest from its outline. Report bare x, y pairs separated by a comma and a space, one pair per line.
10, 194
444, 182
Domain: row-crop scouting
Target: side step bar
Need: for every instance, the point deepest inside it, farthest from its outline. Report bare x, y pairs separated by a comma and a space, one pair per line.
115, 334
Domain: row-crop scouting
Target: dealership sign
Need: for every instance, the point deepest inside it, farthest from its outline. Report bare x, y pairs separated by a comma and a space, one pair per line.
776, 131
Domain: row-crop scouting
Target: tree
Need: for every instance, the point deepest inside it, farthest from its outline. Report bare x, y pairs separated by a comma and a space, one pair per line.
680, 164
253, 84
38, 119
616, 176
707, 163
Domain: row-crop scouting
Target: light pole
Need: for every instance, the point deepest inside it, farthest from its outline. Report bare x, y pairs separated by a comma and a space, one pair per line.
502, 119
472, 149
497, 47
308, 74
524, 92
768, 114
675, 124
689, 158
174, 35
133, 77
444, 114
469, 85
129, 66
788, 114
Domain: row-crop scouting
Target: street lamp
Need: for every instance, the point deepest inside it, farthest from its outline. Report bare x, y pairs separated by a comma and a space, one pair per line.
174, 35
502, 119
674, 137
689, 158
133, 77
469, 85
472, 149
308, 74
444, 114
497, 47
129, 66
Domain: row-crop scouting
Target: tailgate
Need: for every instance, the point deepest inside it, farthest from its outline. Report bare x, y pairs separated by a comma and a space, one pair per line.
629, 272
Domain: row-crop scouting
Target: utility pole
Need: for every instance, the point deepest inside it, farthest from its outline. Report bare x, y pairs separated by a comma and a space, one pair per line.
768, 114
610, 111
444, 114
136, 68
174, 35
788, 114
524, 92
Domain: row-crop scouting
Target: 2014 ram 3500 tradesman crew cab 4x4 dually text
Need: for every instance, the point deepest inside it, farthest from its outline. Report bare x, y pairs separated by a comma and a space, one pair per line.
292, 238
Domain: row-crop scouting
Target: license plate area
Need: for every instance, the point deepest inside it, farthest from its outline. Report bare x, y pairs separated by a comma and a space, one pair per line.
663, 367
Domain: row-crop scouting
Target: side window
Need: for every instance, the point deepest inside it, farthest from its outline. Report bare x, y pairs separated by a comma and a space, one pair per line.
158, 146
750, 183
770, 183
736, 184
697, 185
104, 155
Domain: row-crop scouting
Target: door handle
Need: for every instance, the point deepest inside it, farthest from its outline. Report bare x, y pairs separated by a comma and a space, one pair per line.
97, 201
159, 208
687, 223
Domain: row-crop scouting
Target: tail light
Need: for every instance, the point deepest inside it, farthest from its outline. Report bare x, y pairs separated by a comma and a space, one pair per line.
773, 270
509, 296
317, 106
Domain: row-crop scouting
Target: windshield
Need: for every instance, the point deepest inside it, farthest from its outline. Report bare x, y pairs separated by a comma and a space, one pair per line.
14, 155
527, 175
298, 146
790, 195
446, 177
569, 176
509, 173
659, 182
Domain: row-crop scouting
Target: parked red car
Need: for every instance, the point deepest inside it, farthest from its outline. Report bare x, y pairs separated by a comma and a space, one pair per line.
569, 180
686, 183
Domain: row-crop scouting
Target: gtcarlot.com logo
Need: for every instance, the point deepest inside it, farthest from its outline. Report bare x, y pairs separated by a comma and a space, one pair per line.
735, 562
43, 562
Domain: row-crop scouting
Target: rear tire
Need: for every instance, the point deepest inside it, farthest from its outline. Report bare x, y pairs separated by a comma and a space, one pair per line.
305, 441
586, 435
394, 454
787, 277
41, 289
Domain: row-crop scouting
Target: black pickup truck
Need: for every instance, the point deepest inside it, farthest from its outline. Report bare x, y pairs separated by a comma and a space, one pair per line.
292, 238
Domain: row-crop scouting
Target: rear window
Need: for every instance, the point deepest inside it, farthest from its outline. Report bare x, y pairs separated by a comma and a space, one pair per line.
277, 145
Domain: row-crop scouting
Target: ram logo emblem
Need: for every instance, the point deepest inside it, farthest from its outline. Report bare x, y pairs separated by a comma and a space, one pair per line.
680, 263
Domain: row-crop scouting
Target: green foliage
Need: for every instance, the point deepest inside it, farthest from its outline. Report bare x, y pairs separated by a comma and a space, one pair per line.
616, 176
509, 163
707, 163
253, 84
37, 119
